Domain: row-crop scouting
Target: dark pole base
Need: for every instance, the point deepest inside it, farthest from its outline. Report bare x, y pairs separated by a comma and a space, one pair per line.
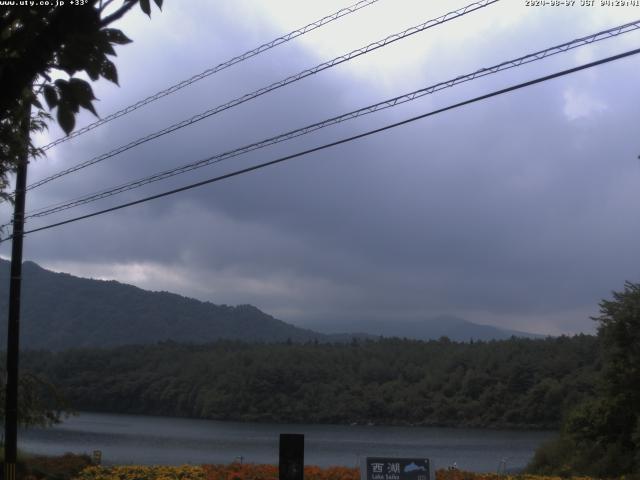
9, 471
291, 465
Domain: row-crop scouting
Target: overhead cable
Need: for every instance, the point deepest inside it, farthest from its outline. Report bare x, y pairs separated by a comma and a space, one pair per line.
407, 97
210, 71
250, 96
339, 142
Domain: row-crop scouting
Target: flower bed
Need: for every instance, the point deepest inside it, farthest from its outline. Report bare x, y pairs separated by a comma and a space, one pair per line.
462, 475
270, 472
185, 472
234, 471
249, 471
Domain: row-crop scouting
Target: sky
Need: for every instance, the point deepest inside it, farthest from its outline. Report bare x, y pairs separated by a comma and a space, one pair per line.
519, 211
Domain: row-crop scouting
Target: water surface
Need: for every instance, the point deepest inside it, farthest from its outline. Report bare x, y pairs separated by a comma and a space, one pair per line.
147, 440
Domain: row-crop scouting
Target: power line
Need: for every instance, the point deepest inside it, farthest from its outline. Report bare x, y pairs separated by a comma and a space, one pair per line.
340, 142
222, 66
526, 59
291, 79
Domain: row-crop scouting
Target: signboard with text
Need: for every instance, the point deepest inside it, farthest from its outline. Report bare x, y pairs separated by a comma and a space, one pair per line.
384, 468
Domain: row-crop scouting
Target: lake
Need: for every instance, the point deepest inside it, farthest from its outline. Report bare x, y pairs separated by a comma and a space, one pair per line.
147, 440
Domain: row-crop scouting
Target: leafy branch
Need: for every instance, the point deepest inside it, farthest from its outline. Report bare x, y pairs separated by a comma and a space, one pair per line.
39, 43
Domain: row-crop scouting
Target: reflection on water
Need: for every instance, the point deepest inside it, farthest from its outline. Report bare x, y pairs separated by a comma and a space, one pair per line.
133, 439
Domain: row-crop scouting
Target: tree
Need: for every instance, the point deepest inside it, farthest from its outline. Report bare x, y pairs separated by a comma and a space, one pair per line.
41, 403
619, 331
38, 43
602, 436
617, 413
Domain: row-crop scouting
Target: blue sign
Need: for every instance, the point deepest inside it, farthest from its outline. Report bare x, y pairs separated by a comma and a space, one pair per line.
384, 468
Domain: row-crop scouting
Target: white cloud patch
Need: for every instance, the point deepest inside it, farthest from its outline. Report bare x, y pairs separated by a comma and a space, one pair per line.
580, 104
148, 275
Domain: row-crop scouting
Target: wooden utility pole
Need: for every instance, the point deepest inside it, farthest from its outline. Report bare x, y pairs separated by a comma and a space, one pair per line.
13, 333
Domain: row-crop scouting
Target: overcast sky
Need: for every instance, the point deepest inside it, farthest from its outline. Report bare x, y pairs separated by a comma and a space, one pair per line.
520, 211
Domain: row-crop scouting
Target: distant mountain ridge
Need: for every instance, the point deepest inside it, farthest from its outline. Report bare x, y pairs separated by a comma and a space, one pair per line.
449, 326
61, 311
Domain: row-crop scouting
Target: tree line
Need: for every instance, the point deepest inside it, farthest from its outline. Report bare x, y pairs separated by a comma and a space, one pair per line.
517, 383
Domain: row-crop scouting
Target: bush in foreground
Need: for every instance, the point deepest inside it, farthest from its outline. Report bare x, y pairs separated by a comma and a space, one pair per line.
37, 467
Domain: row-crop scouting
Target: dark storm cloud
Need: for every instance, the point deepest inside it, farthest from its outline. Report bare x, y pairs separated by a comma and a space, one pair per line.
518, 210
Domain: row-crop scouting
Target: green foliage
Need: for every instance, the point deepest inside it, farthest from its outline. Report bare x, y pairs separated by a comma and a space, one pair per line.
384, 382
619, 332
601, 436
550, 458
40, 401
39, 42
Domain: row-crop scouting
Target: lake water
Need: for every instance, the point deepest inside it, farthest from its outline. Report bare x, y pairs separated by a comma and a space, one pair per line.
134, 439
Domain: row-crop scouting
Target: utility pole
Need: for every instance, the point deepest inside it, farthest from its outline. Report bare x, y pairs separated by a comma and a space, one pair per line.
13, 333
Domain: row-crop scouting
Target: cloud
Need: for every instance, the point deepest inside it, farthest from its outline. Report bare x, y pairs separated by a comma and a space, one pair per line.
579, 105
516, 211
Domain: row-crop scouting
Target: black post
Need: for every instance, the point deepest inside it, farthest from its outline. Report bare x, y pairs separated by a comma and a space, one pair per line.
291, 465
13, 334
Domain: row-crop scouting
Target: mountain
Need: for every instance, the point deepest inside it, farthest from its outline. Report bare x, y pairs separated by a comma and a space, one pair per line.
61, 311
454, 328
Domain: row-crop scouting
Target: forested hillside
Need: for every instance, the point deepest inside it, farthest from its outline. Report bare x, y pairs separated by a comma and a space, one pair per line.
62, 311
519, 383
